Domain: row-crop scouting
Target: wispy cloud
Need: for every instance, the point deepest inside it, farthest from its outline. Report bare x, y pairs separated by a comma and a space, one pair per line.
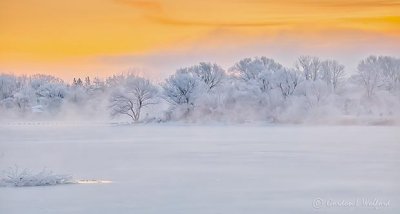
178, 22
147, 6
354, 3
155, 11
294, 12
376, 19
328, 3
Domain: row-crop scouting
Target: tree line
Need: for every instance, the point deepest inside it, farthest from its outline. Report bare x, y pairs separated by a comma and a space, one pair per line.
253, 89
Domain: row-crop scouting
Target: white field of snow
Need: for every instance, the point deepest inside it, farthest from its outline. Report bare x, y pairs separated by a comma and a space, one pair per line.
181, 169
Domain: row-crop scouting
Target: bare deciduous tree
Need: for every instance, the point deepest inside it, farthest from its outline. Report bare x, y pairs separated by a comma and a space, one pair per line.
181, 88
332, 73
287, 81
369, 74
135, 94
211, 74
390, 68
259, 71
309, 66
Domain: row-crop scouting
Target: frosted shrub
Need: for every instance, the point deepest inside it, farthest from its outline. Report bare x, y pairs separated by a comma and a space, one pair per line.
19, 178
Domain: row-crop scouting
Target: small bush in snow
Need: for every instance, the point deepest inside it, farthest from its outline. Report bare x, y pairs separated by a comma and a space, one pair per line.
19, 178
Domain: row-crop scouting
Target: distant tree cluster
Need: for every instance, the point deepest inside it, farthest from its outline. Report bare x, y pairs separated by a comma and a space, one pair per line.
253, 89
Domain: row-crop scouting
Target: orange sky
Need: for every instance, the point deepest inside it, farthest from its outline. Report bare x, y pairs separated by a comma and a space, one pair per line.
100, 37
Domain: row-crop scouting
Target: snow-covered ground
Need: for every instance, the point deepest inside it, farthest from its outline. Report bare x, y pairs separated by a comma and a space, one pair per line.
180, 169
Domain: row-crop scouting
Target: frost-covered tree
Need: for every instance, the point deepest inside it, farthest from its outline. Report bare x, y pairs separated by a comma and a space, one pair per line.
49, 91
332, 73
309, 66
79, 82
182, 88
8, 86
211, 74
98, 84
256, 88
22, 100
14, 176
51, 95
379, 72
77, 94
193, 87
115, 80
15, 93
257, 71
314, 92
287, 81
369, 74
87, 82
135, 94
390, 68
38, 80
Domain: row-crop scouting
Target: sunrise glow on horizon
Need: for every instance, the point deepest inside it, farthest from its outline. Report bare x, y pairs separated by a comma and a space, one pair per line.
100, 37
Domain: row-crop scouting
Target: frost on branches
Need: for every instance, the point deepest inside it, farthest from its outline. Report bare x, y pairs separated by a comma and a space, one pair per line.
253, 89
13, 176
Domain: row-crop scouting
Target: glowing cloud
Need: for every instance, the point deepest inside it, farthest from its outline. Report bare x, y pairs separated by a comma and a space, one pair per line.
47, 34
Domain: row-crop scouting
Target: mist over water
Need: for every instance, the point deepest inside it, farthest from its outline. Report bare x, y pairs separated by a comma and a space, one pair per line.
253, 90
